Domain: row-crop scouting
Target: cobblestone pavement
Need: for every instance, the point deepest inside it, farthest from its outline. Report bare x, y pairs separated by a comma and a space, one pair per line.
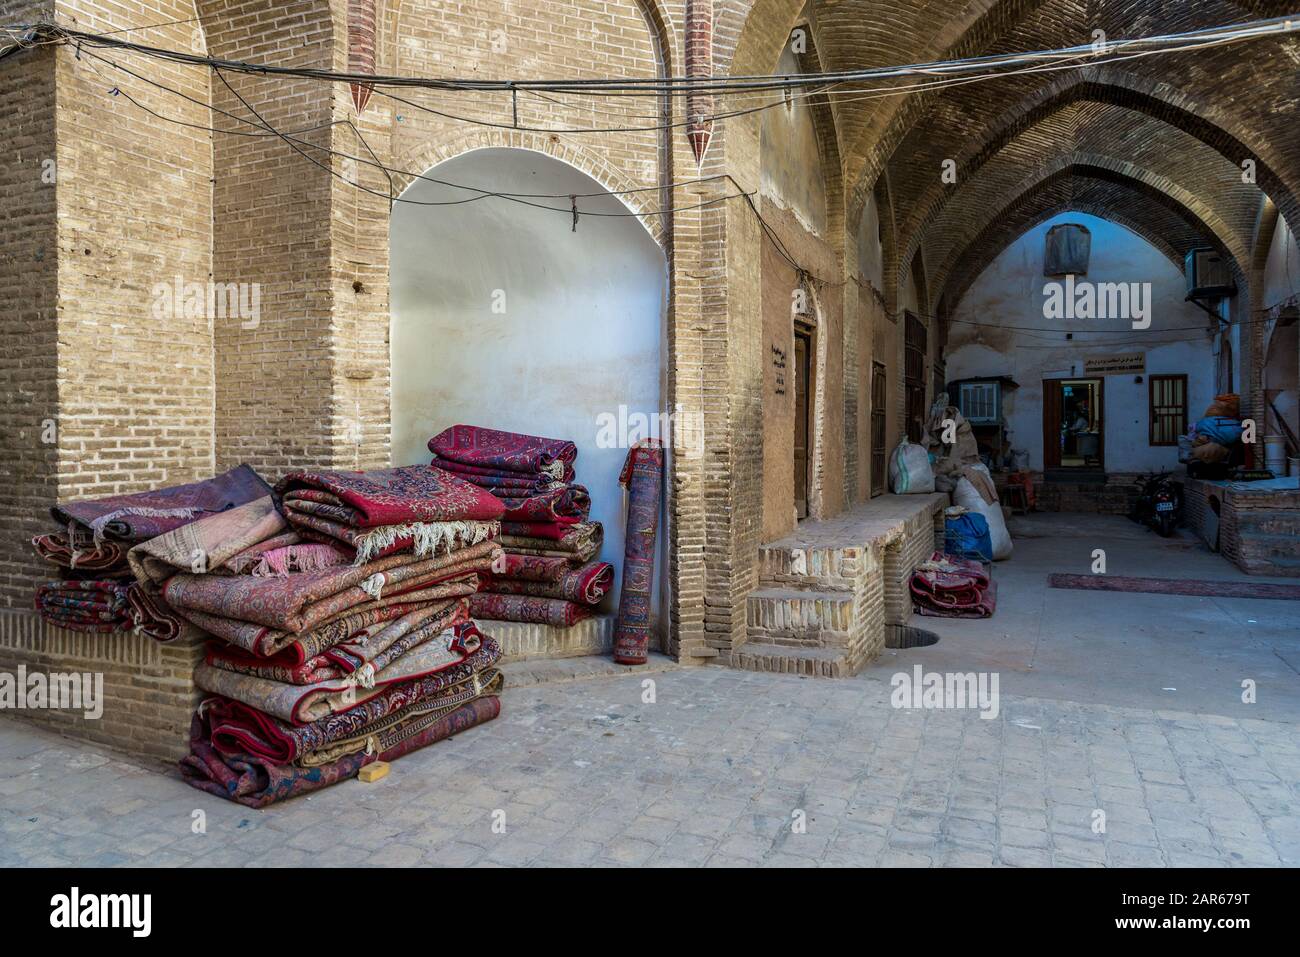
722, 768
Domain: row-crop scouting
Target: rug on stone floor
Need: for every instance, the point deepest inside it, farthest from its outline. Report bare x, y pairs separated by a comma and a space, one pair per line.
256, 783
1176, 586
235, 728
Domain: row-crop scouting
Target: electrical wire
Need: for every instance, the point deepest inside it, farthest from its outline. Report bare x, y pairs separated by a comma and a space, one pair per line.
695, 85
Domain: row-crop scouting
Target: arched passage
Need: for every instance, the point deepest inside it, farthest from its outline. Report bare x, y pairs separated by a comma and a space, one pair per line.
507, 316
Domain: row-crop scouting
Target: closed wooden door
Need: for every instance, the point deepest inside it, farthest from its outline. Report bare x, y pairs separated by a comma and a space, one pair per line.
802, 407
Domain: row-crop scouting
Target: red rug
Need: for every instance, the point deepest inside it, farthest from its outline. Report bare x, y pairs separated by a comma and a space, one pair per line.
1175, 586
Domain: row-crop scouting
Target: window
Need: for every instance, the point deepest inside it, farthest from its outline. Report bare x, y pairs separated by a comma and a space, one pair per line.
1068, 247
1168, 408
879, 452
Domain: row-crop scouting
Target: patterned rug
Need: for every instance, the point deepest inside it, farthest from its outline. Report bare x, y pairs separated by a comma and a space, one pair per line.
144, 515
527, 608
235, 728
255, 783
642, 475
1175, 586
587, 584
85, 605
504, 451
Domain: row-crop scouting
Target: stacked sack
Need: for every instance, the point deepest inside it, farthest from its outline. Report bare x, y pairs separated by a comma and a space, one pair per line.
342, 626
95, 592
550, 574
1215, 435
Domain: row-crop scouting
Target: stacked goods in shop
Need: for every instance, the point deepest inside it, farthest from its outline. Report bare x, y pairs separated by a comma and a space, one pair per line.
1215, 437
344, 640
552, 575
95, 593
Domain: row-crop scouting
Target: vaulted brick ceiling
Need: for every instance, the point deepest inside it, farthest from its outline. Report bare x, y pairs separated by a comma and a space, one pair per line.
1154, 142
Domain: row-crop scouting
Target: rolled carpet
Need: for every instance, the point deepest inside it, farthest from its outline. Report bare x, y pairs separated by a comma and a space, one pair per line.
642, 475
509, 451
256, 783
527, 608
236, 728
87, 605
77, 552
587, 584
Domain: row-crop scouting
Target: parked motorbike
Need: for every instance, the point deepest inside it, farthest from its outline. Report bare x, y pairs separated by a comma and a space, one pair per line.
1159, 503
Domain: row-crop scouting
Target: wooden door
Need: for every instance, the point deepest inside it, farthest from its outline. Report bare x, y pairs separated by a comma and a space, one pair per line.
879, 405
802, 407
1051, 423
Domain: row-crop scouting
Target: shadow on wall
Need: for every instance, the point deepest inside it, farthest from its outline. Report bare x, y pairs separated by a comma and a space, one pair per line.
504, 316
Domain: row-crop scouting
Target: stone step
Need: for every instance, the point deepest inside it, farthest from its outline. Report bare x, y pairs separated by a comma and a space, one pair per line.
809, 568
1268, 546
540, 671
524, 641
820, 618
1268, 521
781, 659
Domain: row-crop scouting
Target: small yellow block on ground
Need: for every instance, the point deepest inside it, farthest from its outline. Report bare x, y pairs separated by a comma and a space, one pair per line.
373, 772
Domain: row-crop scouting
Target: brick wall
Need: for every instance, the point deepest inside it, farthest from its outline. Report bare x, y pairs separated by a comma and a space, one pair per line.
29, 255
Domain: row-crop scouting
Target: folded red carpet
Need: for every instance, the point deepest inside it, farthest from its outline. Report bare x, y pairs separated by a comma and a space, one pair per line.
376, 646
87, 605
255, 783
587, 584
235, 728
509, 451
527, 608
389, 510
945, 586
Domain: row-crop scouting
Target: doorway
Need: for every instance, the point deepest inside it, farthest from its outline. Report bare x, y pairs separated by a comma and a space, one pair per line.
1074, 424
802, 411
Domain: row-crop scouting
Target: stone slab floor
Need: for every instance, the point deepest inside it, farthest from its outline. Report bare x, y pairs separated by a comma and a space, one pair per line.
724, 768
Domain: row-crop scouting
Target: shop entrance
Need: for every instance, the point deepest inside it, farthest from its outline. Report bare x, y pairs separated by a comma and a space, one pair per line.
1073, 424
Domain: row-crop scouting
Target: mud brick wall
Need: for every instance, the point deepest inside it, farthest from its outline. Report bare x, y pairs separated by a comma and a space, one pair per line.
148, 688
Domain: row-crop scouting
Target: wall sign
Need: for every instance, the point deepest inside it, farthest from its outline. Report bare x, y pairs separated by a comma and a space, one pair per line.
1129, 362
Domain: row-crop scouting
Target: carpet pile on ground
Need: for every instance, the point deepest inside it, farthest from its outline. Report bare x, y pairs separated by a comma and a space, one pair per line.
551, 573
945, 586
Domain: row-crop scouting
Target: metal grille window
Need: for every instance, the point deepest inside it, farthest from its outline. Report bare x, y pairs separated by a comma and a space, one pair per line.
1168, 408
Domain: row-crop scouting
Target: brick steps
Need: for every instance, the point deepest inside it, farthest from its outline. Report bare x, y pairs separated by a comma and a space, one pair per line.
1274, 548
800, 615
782, 659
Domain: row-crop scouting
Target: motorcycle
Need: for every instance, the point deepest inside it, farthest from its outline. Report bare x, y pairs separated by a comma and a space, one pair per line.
1159, 503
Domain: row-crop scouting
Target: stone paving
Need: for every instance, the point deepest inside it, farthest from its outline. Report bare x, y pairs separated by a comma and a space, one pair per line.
721, 768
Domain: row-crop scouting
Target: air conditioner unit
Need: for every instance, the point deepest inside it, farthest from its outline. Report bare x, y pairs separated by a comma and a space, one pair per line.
981, 402
1208, 276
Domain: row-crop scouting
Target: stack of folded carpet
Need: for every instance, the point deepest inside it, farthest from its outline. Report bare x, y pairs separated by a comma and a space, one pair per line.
944, 586
552, 575
343, 630
91, 548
